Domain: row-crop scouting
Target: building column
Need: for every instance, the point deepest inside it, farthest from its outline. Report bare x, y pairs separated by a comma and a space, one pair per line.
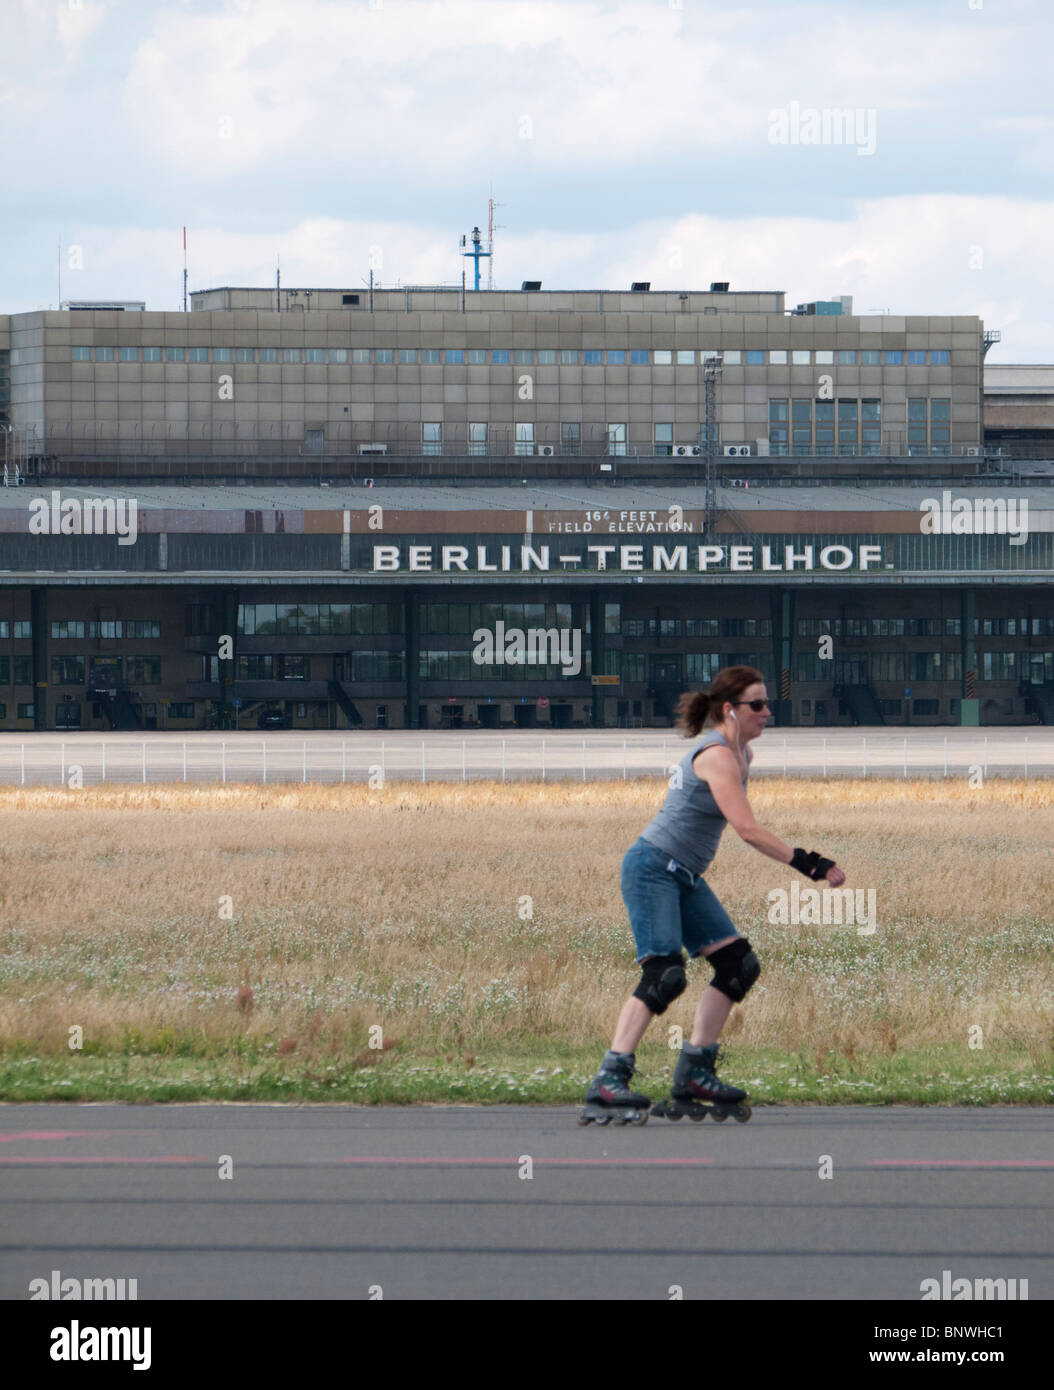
38, 613
227, 612
412, 628
782, 608
969, 704
596, 656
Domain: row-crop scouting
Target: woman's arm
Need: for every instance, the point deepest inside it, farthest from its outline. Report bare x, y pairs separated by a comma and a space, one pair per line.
723, 777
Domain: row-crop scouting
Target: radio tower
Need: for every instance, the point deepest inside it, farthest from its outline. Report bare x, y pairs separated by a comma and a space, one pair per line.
491, 205
712, 368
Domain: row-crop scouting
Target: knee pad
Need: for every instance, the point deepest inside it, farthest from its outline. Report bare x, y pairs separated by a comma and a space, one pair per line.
663, 980
736, 967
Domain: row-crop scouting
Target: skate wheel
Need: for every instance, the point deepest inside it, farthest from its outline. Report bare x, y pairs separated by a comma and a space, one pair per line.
673, 1114
622, 1119
603, 1119
640, 1118
720, 1116
743, 1113
584, 1119
698, 1115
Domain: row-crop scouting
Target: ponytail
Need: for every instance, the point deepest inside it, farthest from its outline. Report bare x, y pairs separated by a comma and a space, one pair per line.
697, 708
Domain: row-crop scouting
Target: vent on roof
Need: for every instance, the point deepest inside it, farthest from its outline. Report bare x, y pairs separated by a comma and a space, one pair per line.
640, 286
531, 286
349, 299
718, 286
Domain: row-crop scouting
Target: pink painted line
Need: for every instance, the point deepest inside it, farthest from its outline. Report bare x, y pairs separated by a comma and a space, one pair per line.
961, 1162
104, 1158
552, 1162
53, 1134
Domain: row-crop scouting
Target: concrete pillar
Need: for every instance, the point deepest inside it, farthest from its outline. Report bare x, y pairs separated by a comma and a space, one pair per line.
38, 612
412, 626
969, 704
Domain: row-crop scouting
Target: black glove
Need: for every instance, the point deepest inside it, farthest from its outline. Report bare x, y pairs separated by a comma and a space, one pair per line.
811, 865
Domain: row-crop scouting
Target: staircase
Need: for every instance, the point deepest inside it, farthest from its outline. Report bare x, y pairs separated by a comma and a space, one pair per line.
116, 705
862, 703
1040, 701
339, 692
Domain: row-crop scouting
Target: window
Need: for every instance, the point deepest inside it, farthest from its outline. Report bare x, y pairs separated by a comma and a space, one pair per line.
639, 357
847, 357
593, 357
67, 630
82, 354
893, 357
869, 357
432, 438
616, 439
999, 666
546, 357
524, 356
5, 629
524, 437
143, 627
701, 666
887, 666
407, 355
349, 299
939, 358
685, 357
755, 357
634, 668
500, 357
181, 709
616, 357
701, 627
129, 354
824, 357
570, 438
477, 438
925, 707
663, 357
23, 670
477, 357
778, 410
269, 354
384, 357
221, 354
174, 354
778, 357
430, 356
245, 354
733, 357
108, 628
361, 357
25, 711
338, 356
67, 670
198, 354
664, 439
288, 355
916, 359
23, 628
633, 627
104, 354
314, 355
144, 670
255, 668
569, 357
612, 617
800, 357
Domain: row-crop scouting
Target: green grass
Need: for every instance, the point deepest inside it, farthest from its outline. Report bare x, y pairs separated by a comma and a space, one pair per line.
169, 1069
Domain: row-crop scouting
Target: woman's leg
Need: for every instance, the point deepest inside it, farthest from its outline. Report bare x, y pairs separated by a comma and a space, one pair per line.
714, 1007
632, 1024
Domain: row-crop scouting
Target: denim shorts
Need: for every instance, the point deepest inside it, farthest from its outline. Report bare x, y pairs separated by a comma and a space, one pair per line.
669, 910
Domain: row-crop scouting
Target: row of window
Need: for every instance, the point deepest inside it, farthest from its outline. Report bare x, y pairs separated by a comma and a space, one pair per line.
78, 670
134, 628
813, 423
500, 357
368, 619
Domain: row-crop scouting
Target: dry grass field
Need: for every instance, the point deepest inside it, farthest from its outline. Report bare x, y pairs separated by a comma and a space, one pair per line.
484, 921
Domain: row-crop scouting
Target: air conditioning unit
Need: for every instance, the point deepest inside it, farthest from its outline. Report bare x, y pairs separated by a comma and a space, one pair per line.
972, 453
737, 451
373, 448
545, 451
686, 451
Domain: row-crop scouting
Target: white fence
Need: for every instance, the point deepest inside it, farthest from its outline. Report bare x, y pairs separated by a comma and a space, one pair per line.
327, 758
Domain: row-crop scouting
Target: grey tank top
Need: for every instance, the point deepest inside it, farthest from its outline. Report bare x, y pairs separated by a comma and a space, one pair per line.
689, 824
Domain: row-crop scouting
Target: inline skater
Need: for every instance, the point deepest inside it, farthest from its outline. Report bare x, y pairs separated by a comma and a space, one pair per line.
671, 906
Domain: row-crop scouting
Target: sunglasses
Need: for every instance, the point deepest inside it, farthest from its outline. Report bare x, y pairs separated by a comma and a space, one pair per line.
756, 705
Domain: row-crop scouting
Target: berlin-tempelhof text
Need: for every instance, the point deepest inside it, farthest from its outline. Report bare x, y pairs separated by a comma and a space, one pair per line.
495, 559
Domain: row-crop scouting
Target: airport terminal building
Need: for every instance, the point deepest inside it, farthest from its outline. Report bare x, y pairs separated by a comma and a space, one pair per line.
445, 508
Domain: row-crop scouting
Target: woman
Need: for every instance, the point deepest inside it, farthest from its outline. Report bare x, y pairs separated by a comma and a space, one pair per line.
670, 905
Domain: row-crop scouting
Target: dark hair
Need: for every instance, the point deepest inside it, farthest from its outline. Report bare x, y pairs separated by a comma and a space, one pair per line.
698, 707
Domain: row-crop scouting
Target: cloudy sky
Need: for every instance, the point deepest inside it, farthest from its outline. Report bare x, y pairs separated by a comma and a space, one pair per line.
900, 153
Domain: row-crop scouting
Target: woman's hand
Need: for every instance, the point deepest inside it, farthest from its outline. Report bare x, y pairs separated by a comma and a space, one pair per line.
836, 877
